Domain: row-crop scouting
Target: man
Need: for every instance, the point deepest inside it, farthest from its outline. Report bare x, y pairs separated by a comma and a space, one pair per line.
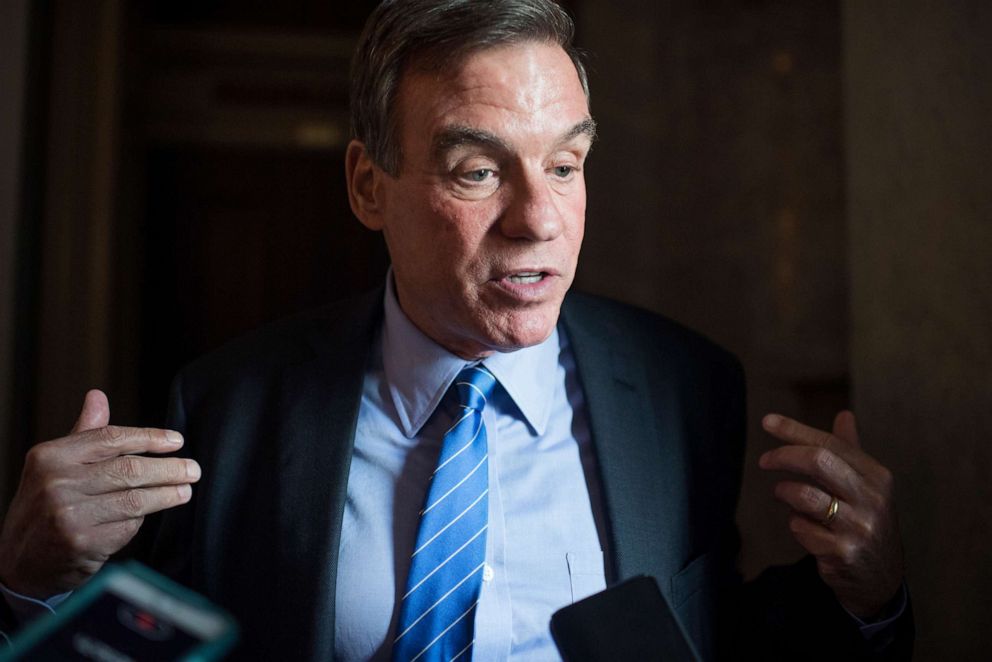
611, 439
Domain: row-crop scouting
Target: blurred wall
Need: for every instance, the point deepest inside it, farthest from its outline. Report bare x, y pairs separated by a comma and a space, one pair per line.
811, 188
918, 88
716, 197
13, 69
83, 331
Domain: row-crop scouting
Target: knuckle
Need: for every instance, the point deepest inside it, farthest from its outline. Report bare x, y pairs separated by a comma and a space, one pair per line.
77, 542
63, 520
865, 527
868, 528
825, 439
147, 434
109, 438
830, 446
128, 469
39, 457
848, 552
874, 498
824, 460
50, 490
132, 502
809, 496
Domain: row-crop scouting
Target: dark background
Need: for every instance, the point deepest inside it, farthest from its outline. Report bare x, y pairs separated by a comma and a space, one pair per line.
805, 181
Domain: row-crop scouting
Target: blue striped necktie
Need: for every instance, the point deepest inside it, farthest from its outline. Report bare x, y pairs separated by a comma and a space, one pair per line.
437, 613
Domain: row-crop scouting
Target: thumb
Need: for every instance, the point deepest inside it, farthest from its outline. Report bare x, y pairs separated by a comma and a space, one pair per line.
95, 413
846, 428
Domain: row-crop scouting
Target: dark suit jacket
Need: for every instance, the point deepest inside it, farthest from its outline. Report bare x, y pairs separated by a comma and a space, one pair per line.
272, 417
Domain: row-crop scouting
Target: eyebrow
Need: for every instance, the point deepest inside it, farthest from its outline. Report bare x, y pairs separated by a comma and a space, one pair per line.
586, 127
459, 136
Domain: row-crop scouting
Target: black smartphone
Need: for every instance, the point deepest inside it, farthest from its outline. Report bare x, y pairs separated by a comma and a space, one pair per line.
628, 621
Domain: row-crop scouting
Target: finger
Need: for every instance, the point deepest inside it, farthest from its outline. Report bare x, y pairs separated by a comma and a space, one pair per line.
825, 467
846, 428
804, 498
113, 440
794, 432
132, 471
130, 504
815, 538
95, 413
110, 537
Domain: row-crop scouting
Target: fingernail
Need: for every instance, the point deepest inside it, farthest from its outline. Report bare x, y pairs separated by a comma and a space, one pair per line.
192, 470
771, 421
763, 460
185, 492
173, 437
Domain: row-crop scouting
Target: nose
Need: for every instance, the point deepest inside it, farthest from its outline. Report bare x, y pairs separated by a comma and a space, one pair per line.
533, 211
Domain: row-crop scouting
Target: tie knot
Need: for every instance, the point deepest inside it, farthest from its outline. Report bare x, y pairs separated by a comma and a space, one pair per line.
475, 385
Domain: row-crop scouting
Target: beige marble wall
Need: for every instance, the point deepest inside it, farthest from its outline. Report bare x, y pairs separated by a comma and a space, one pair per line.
918, 89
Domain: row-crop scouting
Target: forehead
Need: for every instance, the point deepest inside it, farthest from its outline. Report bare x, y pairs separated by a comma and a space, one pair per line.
525, 90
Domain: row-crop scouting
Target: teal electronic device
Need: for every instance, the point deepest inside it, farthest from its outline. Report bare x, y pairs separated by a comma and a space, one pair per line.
128, 612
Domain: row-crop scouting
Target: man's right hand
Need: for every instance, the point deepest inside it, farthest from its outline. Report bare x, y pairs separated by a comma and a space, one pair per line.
83, 497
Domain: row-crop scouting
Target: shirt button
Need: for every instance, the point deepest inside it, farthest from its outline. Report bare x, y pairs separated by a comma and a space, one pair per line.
487, 573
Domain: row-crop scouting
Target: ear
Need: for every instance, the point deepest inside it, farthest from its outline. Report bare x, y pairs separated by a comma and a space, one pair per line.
364, 191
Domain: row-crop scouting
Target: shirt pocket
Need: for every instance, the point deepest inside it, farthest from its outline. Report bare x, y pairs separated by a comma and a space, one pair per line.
586, 573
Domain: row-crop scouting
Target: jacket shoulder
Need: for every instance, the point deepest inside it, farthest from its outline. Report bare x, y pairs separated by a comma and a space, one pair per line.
655, 336
336, 328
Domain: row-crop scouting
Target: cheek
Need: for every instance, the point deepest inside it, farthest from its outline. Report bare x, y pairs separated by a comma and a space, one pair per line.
443, 220
459, 230
576, 212
419, 231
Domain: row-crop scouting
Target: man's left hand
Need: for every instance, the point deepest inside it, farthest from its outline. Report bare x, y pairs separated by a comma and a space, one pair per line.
858, 549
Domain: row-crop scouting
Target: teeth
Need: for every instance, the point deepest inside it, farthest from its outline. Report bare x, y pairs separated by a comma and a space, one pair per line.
526, 277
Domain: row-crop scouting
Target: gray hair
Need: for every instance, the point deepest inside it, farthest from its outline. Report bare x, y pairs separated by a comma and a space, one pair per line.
435, 34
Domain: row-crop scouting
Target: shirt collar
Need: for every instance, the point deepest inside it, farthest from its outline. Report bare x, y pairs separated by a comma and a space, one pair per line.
419, 371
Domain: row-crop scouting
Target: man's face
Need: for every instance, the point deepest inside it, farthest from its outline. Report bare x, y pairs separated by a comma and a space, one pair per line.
485, 220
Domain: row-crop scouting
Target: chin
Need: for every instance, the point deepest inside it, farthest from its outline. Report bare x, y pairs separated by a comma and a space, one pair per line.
525, 329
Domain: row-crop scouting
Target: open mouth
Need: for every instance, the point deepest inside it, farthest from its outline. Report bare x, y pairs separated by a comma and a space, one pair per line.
526, 277
532, 284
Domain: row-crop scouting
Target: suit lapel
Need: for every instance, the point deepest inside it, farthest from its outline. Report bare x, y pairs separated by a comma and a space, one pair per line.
635, 421
318, 414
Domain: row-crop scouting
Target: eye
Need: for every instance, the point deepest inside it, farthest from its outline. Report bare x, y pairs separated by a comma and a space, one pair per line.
563, 171
478, 176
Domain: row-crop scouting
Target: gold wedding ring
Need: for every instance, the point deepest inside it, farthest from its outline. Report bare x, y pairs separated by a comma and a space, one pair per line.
831, 512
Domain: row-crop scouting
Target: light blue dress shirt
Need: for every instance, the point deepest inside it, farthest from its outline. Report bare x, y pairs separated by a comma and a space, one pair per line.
544, 548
